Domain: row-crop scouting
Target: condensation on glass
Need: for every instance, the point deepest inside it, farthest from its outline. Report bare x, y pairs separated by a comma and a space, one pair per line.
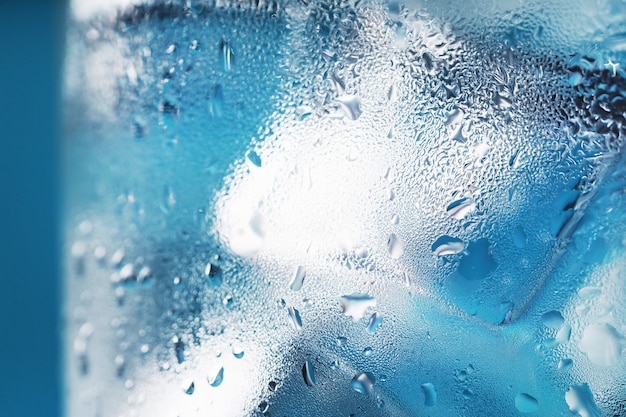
332, 207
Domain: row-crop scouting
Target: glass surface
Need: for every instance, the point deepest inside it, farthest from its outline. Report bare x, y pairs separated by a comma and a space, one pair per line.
345, 208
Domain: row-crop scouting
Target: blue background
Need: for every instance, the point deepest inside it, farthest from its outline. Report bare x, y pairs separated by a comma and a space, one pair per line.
31, 43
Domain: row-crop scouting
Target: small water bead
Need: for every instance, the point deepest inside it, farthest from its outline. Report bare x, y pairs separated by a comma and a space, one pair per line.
374, 321
189, 388
294, 318
100, 253
308, 373
355, 305
430, 394
367, 351
227, 301
526, 403
215, 97
395, 246
341, 341
216, 377
78, 249
447, 245
564, 334
565, 365
519, 237
227, 55
237, 351
351, 106
588, 293
297, 279
254, 159
363, 383
552, 319
461, 208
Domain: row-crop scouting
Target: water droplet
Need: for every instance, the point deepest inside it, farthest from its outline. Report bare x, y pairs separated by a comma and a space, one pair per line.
355, 305
351, 106
99, 253
254, 158
189, 388
363, 383
127, 272
602, 343
565, 364
303, 112
237, 351
587, 293
78, 249
227, 55
263, 406
298, 278
119, 365
526, 403
514, 161
179, 349
170, 49
144, 274
447, 245
308, 373
117, 257
194, 45
519, 237
227, 301
552, 319
379, 402
208, 269
580, 400
129, 384
478, 263
341, 341
454, 117
460, 208
144, 348
215, 97
169, 199
294, 318
367, 351
503, 101
374, 321
216, 377
271, 386
564, 334
395, 219
430, 395
392, 93
395, 246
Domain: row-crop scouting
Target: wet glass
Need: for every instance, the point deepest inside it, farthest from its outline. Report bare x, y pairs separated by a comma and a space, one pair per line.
345, 208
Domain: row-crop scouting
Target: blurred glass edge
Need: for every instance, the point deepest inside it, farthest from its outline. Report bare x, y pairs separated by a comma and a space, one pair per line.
31, 38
